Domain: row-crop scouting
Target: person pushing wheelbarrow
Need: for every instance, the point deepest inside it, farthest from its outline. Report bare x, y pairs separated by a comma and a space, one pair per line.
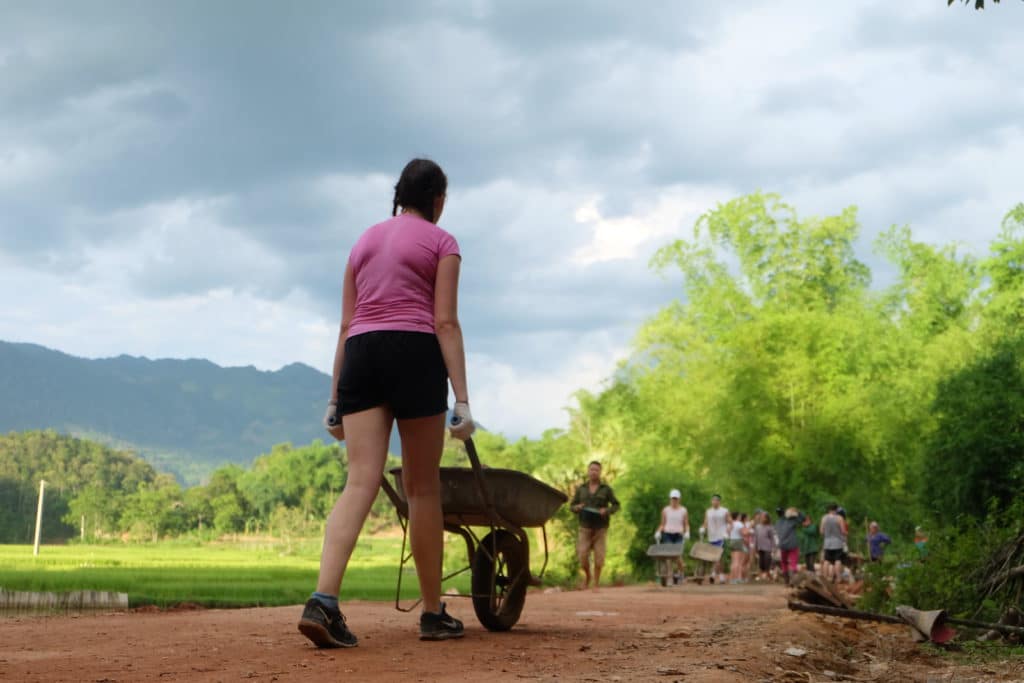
669, 538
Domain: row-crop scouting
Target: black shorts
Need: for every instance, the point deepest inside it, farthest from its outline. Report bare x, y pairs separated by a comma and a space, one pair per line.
402, 370
669, 537
835, 555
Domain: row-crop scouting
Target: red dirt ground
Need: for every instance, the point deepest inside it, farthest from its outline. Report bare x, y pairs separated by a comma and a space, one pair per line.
635, 633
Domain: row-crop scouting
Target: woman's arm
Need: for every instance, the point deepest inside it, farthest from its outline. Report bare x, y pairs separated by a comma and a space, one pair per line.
446, 324
661, 527
348, 307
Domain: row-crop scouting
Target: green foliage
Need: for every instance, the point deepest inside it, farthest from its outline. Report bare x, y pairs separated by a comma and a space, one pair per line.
779, 378
878, 587
776, 381
976, 454
308, 478
952, 576
156, 509
84, 479
210, 574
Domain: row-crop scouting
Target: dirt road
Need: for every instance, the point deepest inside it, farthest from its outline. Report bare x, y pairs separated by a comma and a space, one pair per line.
637, 633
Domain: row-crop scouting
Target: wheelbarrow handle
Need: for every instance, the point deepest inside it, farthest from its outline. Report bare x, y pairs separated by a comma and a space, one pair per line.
481, 485
474, 459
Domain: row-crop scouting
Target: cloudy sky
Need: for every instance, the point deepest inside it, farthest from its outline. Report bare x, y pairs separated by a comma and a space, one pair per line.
185, 179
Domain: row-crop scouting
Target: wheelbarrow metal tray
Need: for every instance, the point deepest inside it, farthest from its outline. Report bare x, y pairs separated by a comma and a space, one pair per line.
665, 550
706, 552
517, 497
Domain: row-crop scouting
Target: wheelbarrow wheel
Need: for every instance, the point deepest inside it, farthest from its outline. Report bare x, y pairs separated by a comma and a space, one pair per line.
497, 598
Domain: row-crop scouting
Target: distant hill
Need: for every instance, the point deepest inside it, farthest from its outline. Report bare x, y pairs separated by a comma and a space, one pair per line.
184, 416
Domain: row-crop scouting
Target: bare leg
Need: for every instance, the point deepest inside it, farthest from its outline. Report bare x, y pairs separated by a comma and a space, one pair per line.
366, 442
585, 566
736, 569
422, 443
597, 574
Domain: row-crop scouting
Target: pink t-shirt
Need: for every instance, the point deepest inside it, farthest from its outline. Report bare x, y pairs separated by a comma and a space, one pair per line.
395, 265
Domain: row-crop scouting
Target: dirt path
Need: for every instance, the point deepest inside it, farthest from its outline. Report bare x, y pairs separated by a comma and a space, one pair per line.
633, 633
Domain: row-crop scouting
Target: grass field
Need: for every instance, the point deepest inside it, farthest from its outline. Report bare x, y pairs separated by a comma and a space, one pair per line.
221, 574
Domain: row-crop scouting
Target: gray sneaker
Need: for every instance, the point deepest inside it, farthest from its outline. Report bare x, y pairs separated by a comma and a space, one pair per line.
325, 626
440, 626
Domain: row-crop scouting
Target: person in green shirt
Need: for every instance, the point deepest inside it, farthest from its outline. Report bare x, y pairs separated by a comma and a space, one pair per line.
594, 503
810, 542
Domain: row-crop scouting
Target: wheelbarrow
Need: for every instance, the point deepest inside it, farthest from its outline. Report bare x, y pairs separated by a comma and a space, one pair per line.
501, 502
707, 554
666, 558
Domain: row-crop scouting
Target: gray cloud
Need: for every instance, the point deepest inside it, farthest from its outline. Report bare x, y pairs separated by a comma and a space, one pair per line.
282, 130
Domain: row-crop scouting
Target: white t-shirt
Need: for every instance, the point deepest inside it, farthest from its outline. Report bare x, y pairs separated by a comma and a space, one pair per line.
674, 519
717, 522
736, 530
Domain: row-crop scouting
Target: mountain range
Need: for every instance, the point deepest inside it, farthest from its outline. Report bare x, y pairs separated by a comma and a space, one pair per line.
185, 416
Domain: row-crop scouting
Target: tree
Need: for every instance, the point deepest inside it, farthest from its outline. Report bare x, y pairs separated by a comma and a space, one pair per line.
308, 478
977, 453
156, 509
84, 478
978, 4
96, 509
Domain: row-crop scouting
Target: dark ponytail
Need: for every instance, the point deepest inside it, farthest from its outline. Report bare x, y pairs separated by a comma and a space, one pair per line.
422, 181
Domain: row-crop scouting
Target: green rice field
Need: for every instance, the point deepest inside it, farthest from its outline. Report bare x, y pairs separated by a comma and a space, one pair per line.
218, 574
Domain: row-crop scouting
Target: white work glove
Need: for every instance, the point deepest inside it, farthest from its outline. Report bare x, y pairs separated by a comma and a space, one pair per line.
686, 536
702, 532
657, 537
332, 421
461, 425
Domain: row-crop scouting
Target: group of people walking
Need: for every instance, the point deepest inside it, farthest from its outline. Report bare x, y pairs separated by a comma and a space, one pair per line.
757, 547
762, 550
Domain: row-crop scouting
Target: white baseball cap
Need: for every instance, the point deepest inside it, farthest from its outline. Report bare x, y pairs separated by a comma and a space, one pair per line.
674, 493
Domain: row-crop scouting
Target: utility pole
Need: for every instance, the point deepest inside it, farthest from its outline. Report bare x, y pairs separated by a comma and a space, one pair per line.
39, 515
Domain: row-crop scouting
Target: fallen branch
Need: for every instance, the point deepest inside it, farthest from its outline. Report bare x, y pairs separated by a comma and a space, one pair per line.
1007, 575
1002, 628
848, 613
811, 589
871, 616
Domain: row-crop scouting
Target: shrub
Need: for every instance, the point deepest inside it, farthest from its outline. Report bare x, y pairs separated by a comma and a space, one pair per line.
954, 574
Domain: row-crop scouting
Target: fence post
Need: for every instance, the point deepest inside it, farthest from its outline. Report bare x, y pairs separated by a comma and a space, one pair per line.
39, 515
